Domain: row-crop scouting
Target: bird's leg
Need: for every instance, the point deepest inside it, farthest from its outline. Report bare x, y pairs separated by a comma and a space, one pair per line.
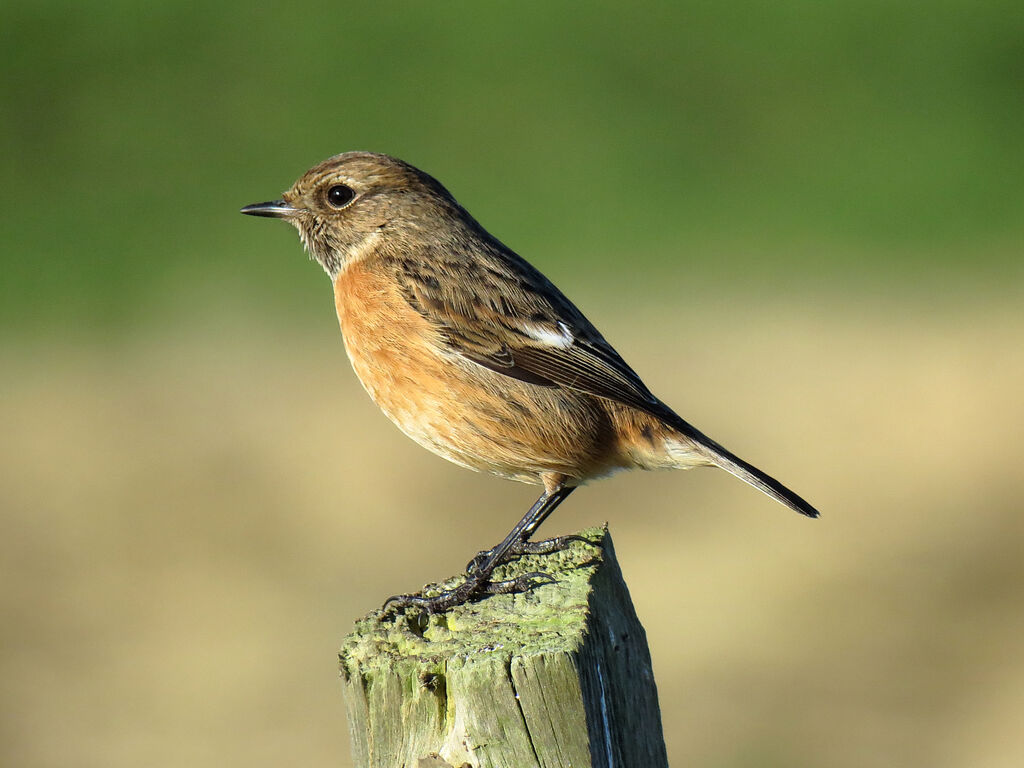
478, 582
522, 544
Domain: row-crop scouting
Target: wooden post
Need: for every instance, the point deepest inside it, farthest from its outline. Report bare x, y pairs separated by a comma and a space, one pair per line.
557, 677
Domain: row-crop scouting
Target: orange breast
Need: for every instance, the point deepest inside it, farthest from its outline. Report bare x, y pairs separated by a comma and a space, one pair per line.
466, 413
390, 345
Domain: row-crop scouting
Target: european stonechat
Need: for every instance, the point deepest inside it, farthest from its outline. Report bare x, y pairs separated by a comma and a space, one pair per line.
477, 356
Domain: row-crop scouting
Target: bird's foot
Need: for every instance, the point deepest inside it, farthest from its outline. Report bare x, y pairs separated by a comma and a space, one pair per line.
544, 547
474, 586
436, 603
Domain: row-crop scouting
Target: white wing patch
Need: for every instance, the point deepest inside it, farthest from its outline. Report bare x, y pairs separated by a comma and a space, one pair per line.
560, 336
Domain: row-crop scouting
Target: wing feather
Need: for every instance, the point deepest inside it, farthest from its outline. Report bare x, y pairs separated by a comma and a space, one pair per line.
510, 319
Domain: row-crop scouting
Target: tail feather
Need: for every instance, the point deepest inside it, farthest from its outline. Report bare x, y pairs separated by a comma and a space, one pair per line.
748, 473
766, 483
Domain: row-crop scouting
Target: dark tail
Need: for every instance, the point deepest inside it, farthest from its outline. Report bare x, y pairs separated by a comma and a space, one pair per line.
748, 473
751, 474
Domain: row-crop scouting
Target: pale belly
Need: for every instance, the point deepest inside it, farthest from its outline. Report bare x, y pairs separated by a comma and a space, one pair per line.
488, 422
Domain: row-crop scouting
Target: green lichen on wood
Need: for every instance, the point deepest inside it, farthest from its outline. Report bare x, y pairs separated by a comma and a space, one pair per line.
508, 680
551, 617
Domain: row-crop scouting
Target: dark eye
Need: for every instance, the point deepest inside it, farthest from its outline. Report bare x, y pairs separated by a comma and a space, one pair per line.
339, 195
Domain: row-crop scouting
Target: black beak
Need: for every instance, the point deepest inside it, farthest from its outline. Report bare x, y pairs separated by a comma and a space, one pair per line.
274, 209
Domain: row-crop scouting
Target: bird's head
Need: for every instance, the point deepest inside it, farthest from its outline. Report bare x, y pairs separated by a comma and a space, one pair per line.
352, 203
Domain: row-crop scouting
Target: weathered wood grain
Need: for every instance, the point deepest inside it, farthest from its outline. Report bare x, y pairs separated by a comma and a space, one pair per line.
557, 677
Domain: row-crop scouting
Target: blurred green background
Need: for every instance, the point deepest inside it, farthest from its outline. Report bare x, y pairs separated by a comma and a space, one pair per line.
801, 222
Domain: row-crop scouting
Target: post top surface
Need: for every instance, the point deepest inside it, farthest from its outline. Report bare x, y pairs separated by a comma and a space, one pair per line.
552, 617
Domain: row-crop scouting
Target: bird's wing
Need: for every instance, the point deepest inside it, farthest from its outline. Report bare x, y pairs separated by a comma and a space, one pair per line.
506, 316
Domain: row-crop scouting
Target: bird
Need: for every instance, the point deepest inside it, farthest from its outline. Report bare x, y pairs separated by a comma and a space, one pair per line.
476, 355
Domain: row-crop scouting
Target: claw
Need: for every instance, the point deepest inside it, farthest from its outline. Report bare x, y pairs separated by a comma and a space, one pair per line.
443, 601
437, 604
477, 562
403, 601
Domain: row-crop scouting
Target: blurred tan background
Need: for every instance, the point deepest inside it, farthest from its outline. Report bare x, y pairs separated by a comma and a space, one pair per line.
802, 225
